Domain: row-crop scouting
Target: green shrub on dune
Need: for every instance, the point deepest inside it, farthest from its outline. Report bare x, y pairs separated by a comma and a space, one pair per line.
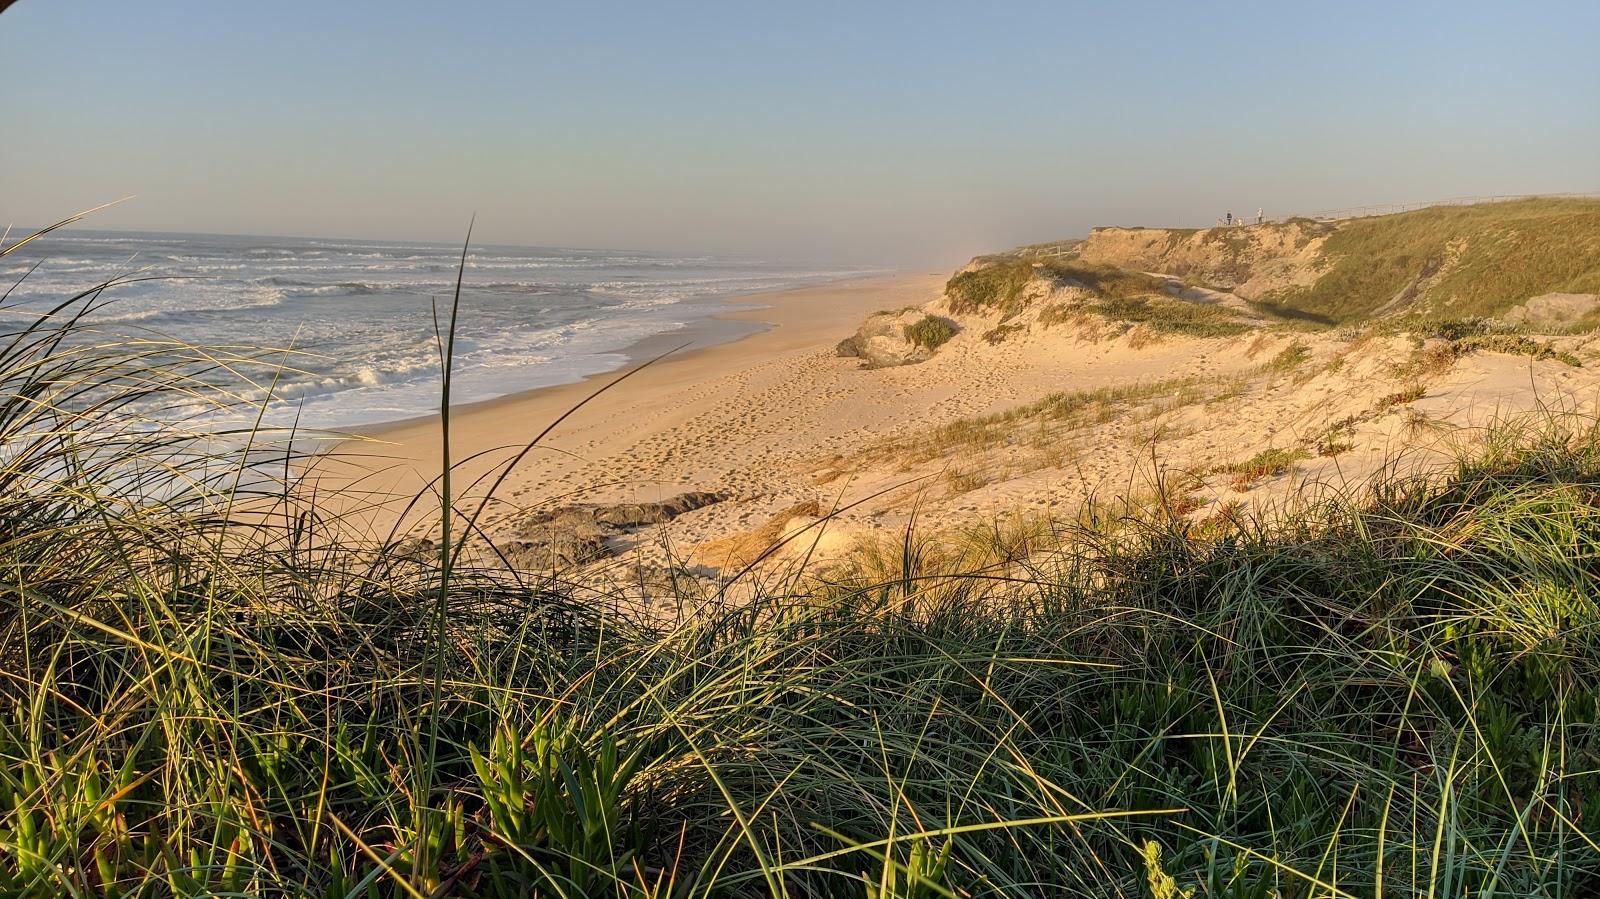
995, 286
930, 332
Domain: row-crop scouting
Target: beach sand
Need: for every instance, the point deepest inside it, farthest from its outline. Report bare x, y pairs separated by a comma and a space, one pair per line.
632, 441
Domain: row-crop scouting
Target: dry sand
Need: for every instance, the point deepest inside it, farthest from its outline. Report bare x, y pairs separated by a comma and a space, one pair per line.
642, 438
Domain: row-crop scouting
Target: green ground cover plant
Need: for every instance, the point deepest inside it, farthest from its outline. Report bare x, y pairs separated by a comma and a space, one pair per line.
1268, 463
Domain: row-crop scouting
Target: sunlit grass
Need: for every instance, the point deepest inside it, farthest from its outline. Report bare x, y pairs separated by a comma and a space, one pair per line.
1455, 261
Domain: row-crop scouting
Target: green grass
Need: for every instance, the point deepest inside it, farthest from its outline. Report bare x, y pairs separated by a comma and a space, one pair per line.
1289, 358
1269, 463
930, 332
998, 285
1505, 254
1171, 316
220, 691
1119, 294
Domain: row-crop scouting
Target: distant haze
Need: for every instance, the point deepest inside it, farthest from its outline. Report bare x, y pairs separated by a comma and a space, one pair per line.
901, 133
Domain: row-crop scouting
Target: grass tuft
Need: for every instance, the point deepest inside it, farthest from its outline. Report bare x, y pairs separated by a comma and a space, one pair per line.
1269, 463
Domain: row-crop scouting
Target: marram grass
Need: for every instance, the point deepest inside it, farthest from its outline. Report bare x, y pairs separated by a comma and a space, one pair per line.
1394, 696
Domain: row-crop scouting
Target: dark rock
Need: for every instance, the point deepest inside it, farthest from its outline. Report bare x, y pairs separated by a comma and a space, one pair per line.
577, 535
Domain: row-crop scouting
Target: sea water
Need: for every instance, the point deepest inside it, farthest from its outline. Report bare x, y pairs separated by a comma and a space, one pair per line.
352, 323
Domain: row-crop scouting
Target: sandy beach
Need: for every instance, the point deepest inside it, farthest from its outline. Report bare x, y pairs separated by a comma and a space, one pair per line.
758, 419
621, 444
776, 430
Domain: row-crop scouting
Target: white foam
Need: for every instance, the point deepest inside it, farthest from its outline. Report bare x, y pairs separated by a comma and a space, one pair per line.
364, 311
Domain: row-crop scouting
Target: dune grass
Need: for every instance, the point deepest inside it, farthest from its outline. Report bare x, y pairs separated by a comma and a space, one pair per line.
1170, 316
1118, 294
1269, 463
207, 692
1289, 358
1472, 335
998, 284
1455, 261
1051, 415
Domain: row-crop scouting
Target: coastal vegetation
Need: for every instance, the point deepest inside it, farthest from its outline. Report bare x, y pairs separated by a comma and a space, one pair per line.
1455, 261
214, 684
999, 286
930, 332
1048, 419
1270, 462
1428, 268
1170, 316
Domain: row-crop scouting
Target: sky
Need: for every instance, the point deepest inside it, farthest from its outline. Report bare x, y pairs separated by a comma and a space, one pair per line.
901, 134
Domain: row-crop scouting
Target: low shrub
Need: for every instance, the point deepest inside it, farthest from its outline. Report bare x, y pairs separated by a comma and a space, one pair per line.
930, 332
997, 286
1001, 333
1289, 358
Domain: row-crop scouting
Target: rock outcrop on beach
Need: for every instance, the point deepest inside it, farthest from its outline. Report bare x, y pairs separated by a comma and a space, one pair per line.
902, 337
577, 535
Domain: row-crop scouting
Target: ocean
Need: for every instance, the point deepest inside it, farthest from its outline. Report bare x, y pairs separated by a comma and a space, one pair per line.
358, 315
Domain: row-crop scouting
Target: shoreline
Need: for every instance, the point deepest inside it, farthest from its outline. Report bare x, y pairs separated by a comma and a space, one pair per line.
630, 440
726, 328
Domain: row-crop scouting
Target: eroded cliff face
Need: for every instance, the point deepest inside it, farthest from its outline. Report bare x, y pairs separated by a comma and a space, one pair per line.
1248, 260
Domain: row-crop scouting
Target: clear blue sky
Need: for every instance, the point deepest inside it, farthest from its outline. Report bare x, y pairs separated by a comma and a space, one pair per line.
918, 133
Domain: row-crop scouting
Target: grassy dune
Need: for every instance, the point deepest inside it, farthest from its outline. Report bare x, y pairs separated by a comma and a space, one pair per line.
1456, 261
998, 286
220, 691
1442, 263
